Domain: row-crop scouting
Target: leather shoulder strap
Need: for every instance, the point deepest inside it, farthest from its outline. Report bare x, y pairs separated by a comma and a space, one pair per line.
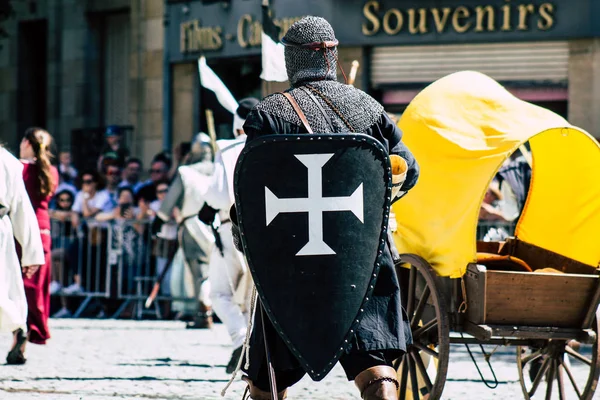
298, 111
318, 104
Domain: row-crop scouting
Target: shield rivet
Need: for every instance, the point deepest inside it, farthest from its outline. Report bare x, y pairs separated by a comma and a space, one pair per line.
371, 286
353, 287
357, 321
361, 310
367, 299
351, 330
375, 275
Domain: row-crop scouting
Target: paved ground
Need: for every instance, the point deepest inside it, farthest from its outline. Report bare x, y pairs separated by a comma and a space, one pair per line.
104, 359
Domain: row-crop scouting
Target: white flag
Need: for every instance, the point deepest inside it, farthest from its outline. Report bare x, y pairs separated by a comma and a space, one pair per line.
211, 81
273, 60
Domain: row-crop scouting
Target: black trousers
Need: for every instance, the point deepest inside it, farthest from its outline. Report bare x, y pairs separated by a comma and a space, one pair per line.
353, 363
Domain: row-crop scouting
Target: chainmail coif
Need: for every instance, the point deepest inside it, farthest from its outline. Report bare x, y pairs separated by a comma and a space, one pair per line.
305, 64
319, 70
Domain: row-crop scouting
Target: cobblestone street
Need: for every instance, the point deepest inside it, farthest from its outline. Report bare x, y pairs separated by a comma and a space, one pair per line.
107, 359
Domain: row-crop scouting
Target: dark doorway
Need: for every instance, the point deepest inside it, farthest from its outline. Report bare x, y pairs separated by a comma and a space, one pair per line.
32, 75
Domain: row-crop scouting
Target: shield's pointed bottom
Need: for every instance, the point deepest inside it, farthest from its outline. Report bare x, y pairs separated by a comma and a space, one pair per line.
316, 248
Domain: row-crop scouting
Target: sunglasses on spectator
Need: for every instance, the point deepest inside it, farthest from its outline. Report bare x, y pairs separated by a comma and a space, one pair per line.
64, 199
87, 181
113, 173
161, 191
156, 171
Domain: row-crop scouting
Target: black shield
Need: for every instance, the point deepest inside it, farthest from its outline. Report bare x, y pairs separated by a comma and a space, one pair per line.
313, 213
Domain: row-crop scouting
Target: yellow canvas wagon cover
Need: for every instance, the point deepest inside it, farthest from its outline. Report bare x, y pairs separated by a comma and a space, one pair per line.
461, 129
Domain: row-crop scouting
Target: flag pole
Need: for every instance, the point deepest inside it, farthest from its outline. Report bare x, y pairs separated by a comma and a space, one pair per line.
353, 71
212, 132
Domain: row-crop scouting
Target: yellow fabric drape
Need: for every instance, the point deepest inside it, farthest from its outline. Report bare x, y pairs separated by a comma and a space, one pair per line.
562, 213
461, 129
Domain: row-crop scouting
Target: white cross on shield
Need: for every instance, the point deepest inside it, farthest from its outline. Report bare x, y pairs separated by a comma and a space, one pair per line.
315, 205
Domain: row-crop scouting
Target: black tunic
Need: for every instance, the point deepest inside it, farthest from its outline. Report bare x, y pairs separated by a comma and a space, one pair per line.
384, 327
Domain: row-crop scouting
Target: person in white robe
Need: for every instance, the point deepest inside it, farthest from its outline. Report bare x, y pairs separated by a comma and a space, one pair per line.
189, 269
229, 276
17, 220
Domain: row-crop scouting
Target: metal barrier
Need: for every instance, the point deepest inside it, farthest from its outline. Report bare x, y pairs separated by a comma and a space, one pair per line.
117, 260
120, 261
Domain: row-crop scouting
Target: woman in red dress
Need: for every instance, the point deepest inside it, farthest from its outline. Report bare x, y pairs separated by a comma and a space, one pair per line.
41, 180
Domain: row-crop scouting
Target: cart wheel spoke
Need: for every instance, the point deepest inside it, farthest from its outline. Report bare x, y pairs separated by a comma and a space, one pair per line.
538, 377
550, 380
420, 306
427, 350
571, 378
414, 382
578, 356
425, 328
412, 286
561, 381
421, 366
531, 357
404, 377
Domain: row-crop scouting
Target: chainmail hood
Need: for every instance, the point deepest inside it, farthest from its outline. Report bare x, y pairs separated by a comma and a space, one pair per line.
304, 64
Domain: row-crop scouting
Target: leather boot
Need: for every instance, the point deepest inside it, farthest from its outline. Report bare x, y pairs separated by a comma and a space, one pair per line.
257, 394
203, 319
378, 383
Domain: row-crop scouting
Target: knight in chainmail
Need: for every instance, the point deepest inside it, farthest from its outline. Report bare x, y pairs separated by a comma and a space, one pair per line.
332, 107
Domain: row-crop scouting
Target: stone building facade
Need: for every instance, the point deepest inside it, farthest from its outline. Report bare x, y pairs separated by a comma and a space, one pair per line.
75, 66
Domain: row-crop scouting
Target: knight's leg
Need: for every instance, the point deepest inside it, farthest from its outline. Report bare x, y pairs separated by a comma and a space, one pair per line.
258, 375
372, 373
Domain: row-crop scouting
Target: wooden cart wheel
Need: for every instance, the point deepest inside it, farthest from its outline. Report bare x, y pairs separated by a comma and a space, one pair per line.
425, 363
558, 370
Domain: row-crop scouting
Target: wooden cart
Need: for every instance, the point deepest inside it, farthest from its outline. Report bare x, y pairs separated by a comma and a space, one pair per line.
541, 290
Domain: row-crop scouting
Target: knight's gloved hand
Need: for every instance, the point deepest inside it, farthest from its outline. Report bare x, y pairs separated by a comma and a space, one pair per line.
235, 229
157, 224
399, 170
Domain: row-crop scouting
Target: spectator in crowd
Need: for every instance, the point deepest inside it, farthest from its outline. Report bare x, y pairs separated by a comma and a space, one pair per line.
127, 235
158, 173
63, 201
91, 199
60, 218
165, 242
162, 188
132, 173
41, 181
89, 202
113, 147
491, 208
112, 176
494, 223
67, 173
